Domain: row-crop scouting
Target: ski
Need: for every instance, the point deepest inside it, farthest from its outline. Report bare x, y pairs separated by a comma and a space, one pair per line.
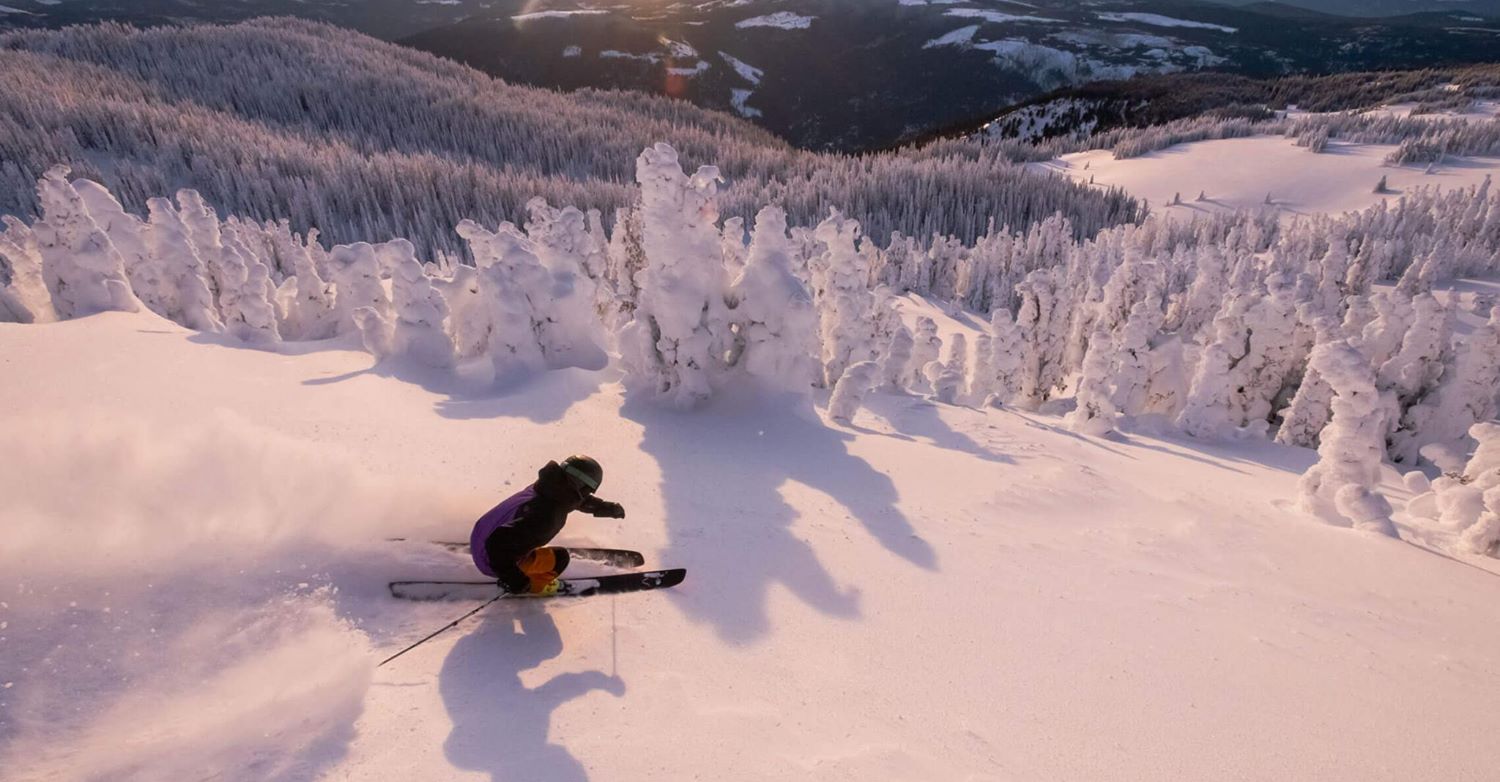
570, 587
614, 557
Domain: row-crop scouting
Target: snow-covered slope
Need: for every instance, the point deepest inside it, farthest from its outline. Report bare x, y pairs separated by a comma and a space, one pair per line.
195, 561
1234, 174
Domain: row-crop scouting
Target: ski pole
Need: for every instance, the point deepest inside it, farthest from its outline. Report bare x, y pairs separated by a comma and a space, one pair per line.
434, 633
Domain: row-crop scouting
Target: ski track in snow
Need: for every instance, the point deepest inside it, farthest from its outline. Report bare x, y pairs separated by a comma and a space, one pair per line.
1055, 606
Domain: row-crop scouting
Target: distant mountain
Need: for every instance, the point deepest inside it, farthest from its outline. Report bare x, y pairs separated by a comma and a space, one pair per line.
856, 74
1378, 8
852, 75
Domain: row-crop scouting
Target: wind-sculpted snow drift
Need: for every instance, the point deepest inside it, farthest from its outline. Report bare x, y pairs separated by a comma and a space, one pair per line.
130, 549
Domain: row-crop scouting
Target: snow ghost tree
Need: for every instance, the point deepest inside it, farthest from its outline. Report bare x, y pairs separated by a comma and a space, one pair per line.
1043, 330
1465, 396
850, 390
1482, 476
958, 356
1131, 359
981, 385
895, 366
1007, 356
1417, 364
183, 290
1305, 417
82, 268
944, 380
847, 306
773, 311
1096, 413
308, 299
1263, 375
677, 341
356, 278
419, 333
126, 233
925, 350
23, 290
570, 244
530, 317
1206, 414
1342, 482
245, 297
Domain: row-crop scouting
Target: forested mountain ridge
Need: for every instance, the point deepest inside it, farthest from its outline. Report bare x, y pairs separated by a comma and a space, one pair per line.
328, 128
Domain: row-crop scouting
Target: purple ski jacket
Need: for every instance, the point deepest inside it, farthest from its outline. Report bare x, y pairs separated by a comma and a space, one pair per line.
502, 515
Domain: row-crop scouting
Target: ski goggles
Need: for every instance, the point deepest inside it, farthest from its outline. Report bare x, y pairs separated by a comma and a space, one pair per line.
583, 479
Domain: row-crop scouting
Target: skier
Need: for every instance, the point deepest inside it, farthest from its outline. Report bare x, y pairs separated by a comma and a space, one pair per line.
510, 541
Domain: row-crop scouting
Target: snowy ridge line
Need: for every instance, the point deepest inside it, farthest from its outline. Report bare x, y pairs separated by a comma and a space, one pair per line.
1210, 326
784, 20
1158, 20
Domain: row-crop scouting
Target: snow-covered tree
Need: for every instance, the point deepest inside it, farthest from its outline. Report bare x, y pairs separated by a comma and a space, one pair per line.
946, 383
1482, 477
1466, 395
307, 300
981, 382
1263, 376
1043, 328
515, 289
81, 267
850, 390
23, 290
1417, 364
1310, 408
925, 350
846, 304
356, 277
1008, 355
1207, 412
183, 290
895, 364
1343, 481
419, 333
1131, 362
1096, 413
245, 293
957, 360
773, 311
677, 340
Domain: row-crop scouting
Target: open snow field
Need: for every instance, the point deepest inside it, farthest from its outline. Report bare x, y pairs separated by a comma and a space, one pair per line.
194, 564
1239, 173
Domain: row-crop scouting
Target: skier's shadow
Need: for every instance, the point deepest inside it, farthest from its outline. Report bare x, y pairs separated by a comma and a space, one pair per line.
723, 475
501, 726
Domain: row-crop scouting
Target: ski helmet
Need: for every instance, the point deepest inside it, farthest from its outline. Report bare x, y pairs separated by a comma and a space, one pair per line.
583, 472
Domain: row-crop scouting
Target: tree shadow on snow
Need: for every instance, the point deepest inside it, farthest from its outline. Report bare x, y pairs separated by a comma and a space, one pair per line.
722, 475
470, 393
543, 397
501, 726
915, 418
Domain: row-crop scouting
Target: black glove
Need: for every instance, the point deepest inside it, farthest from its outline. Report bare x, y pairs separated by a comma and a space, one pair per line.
609, 510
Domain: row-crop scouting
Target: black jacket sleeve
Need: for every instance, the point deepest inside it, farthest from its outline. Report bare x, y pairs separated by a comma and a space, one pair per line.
602, 508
